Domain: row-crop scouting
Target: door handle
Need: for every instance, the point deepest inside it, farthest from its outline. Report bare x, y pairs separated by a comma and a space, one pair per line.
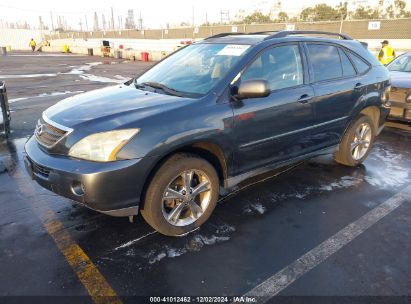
304, 98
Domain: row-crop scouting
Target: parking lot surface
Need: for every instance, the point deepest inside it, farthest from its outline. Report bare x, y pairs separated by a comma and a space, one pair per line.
319, 229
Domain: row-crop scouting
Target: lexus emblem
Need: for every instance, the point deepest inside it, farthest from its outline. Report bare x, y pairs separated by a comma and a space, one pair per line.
40, 129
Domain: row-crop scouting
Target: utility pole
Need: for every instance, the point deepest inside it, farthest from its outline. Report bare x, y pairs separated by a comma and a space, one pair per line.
103, 21
192, 17
140, 22
81, 25
112, 19
95, 27
85, 18
120, 23
52, 23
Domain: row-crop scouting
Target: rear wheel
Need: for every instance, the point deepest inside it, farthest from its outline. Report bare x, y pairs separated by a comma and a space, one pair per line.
181, 196
356, 142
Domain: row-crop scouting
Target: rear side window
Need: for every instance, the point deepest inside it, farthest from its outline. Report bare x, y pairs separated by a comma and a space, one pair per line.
348, 69
360, 64
325, 61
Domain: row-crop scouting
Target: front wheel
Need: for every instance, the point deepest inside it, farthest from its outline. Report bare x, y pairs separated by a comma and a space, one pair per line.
356, 142
181, 196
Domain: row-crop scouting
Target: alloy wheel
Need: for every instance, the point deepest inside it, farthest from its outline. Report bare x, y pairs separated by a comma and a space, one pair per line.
186, 197
361, 141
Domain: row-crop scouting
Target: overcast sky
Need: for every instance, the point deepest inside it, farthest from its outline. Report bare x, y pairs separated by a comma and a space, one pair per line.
155, 13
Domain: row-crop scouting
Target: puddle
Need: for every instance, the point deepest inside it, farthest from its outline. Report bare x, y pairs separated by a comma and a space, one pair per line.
28, 76
59, 93
254, 208
41, 55
18, 99
154, 252
77, 70
45, 95
80, 71
95, 78
344, 182
392, 175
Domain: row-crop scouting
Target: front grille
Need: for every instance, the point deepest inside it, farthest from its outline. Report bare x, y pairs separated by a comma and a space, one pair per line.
37, 169
46, 134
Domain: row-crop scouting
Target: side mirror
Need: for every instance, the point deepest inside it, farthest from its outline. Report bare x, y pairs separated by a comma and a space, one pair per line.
253, 89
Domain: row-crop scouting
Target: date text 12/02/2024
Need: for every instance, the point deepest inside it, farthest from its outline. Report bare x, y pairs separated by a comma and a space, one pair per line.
201, 299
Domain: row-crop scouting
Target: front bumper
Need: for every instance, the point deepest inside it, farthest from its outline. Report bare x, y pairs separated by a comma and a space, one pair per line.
112, 188
384, 112
400, 111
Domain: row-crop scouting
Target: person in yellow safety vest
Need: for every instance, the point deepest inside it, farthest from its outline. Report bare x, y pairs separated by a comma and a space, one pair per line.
32, 44
387, 53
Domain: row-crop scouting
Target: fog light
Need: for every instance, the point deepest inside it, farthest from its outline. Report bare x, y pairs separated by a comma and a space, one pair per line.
77, 188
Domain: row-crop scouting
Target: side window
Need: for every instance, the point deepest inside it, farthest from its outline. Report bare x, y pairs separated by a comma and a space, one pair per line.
280, 66
348, 69
325, 61
359, 63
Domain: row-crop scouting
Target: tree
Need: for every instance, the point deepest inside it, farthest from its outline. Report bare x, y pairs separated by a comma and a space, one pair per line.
282, 17
365, 13
389, 12
257, 17
342, 8
400, 6
320, 12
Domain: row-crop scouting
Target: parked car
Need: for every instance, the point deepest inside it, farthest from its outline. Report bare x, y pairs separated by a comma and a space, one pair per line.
207, 118
400, 96
4, 111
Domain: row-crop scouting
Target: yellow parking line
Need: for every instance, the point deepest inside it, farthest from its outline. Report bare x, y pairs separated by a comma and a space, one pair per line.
92, 279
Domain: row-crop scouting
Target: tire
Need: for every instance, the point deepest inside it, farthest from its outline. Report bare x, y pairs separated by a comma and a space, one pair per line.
346, 154
174, 175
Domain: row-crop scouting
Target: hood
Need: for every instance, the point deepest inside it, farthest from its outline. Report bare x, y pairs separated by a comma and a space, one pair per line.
400, 79
110, 104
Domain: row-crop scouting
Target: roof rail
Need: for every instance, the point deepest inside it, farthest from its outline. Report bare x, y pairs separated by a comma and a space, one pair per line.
223, 35
282, 34
263, 32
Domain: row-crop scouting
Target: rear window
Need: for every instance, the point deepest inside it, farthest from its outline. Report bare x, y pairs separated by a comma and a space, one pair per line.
359, 63
348, 69
325, 61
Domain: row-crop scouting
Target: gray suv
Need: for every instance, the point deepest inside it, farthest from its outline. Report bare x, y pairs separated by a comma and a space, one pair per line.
207, 118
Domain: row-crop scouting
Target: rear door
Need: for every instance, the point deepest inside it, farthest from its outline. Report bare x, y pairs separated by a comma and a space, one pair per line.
276, 127
338, 88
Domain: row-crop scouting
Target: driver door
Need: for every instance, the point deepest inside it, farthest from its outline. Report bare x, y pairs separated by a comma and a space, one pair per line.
275, 128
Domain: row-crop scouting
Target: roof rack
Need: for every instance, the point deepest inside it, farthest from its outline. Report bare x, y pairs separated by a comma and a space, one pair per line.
223, 35
282, 34
263, 33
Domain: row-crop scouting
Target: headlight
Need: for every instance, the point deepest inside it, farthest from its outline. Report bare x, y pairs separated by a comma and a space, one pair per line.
385, 96
102, 147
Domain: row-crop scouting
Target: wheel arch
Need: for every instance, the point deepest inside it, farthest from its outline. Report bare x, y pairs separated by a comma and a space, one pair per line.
211, 152
373, 112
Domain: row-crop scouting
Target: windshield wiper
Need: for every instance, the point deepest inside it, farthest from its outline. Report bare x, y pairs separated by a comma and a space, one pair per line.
157, 85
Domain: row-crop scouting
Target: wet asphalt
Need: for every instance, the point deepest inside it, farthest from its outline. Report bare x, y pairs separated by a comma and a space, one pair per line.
251, 235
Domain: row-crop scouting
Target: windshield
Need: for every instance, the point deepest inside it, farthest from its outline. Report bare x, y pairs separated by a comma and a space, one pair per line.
192, 71
401, 64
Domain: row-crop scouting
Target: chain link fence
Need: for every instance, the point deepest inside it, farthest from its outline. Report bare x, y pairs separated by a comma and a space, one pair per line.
359, 29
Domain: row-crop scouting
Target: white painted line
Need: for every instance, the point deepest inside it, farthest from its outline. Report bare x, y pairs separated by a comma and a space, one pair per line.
279, 281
